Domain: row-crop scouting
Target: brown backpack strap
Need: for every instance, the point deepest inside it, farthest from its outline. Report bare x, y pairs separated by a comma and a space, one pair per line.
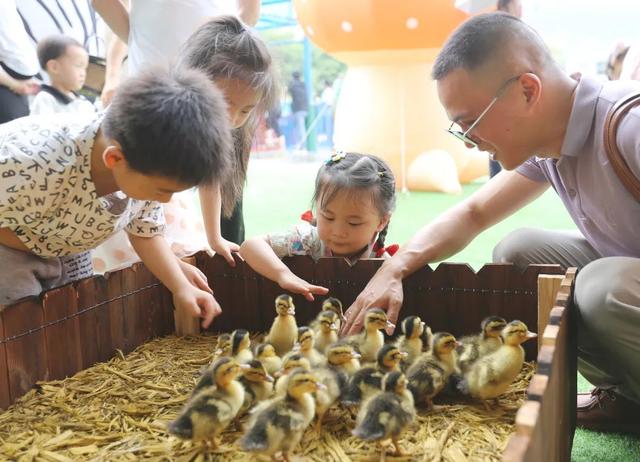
615, 114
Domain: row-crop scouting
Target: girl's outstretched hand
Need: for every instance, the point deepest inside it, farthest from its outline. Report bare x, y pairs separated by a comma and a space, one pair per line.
224, 248
292, 283
384, 291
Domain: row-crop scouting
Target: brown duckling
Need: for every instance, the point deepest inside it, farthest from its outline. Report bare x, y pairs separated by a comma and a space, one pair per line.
291, 361
266, 354
387, 414
368, 380
304, 346
241, 346
277, 425
370, 340
487, 341
411, 339
257, 383
326, 328
428, 375
208, 412
284, 329
491, 375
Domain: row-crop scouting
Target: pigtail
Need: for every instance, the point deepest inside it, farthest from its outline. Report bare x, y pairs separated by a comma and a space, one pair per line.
382, 236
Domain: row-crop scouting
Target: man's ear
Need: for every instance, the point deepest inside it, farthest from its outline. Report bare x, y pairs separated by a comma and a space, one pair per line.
531, 88
112, 156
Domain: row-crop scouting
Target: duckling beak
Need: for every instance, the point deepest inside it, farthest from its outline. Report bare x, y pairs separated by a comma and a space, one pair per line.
531, 335
355, 355
218, 351
321, 386
278, 374
244, 367
291, 312
333, 327
404, 354
296, 347
458, 343
268, 378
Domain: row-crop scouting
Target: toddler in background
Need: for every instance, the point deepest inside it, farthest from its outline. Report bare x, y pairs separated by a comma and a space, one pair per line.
65, 61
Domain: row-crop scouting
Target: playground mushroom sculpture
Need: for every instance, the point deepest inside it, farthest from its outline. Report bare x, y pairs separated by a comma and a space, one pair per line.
388, 104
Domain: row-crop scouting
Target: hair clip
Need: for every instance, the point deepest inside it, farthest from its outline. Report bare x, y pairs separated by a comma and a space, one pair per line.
381, 174
336, 157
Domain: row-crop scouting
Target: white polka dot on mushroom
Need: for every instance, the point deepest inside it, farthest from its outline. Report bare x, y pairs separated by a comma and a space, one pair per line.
412, 23
346, 26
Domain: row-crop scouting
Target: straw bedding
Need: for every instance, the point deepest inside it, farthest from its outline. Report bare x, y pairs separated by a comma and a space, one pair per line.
119, 410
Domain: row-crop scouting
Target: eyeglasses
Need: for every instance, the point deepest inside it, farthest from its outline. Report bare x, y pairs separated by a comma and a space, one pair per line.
463, 136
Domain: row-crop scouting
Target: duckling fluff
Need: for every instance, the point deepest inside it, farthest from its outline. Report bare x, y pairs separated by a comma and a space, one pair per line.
335, 305
257, 383
278, 425
284, 329
208, 412
411, 339
491, 375
368, 380
387, 414
291, 361
304, 346
370, 340
429, 373
266, 354
326, 328
476, 346
223, 346
241, 346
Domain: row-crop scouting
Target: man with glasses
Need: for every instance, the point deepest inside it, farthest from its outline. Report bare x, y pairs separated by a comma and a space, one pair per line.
506, 95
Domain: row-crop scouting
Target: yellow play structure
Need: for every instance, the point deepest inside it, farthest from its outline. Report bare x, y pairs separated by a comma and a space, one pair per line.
388, 103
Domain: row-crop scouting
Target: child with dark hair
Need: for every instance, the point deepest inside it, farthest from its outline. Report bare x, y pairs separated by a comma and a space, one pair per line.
354, 196
65, 61
239, 63
68, 183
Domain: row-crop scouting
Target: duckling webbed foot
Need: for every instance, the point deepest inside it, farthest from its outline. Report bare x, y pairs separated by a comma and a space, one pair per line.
396, 444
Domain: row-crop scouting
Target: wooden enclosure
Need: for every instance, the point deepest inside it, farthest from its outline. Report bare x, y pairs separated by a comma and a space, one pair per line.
71, 328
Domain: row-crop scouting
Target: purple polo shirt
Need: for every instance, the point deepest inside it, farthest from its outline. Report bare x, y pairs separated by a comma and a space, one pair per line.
606, 214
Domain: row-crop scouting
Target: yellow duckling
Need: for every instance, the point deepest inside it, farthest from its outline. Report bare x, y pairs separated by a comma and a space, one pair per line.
411, 339
284, 329
335, 305
257, 383
304, 346
326, 326
223, 346
268, 357
491, 375
334, 376
344, 358
291, 361
370, 340
387, 414
487, 341
241, 346
208, 412
428, 375
277, 425
368, 380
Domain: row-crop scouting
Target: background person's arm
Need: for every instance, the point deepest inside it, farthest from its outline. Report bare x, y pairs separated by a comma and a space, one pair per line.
249, 11
445, 236
116, 15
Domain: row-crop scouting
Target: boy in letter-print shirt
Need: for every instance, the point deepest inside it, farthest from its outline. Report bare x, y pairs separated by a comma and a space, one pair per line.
69, 182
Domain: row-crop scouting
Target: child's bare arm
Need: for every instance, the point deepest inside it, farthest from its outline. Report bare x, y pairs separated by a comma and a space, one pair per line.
116, 15
211, 205
260, 256
115, 56
158, 257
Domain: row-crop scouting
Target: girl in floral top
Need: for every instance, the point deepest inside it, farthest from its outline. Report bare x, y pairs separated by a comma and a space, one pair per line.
354, 198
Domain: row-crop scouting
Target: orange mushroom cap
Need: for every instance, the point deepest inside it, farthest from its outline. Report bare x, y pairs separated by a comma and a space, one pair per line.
363, 25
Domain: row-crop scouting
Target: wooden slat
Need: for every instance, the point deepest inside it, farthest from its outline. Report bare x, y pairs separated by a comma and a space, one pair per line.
26, 355
5, 395
115, 310
62, 338
134, 321
548, 286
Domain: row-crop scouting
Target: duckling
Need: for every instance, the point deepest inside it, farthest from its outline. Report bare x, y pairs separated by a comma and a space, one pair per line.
291, 361
335, 305
304, 346
268, 357
278, 425
370, 340
368, 380
211, 409
427, 339
386, 415
411, 339
241, 346
326, 326
491, 375
257, 383
334, 376
284, 329
223, 346
345, 358
428, 375
487, 341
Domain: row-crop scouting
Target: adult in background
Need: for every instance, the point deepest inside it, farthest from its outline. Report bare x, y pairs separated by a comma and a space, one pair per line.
498, 82
299, 108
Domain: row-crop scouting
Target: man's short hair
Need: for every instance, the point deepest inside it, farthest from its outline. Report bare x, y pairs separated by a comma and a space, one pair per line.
53, 47
480, 39
171, 124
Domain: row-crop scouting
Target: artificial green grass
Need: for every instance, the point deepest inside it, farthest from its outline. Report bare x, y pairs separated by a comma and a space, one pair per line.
278, 191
